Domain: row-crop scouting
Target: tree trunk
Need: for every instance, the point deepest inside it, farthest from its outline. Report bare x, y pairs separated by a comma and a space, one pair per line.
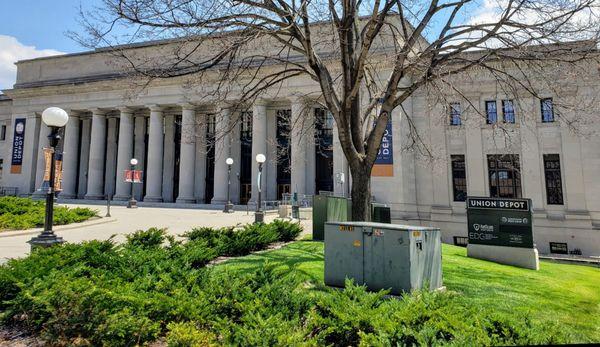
361, 193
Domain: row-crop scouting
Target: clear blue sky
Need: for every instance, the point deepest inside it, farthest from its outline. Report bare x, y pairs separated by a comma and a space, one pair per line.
42, 23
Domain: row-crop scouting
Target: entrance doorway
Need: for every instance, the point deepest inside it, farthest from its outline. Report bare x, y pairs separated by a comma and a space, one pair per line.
245, 157
283, 152
210, 159
323, 150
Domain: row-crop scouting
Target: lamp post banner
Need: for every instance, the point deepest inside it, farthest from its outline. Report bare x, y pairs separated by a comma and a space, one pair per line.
133, 176
18, 143
384, 164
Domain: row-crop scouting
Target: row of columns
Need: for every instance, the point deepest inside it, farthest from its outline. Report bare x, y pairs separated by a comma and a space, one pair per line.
95, 174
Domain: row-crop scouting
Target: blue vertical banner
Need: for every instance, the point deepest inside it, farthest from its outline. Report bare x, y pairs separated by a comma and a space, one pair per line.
384, 164
18, 143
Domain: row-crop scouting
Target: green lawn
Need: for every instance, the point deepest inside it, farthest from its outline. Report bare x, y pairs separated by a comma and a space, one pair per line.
566, 294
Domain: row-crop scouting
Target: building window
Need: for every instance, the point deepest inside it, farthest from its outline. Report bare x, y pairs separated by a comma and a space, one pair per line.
459, 177
504, 176
455, 113
508, 111
461, 241
3, 133
547, 110
554, 194
559, 248
491, 112
1, 167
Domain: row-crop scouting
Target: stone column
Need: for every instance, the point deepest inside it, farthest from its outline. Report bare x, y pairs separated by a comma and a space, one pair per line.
441, 189
310, 167
40, 167
298, 149
111, 157
573, 172
200, 165
139, 152
222, 148
154, 166
475, 159
168, 159
340, 166
235, 154
124, 153
259, 145
84, 157
187, 155
532, 183
95, 184
70, 157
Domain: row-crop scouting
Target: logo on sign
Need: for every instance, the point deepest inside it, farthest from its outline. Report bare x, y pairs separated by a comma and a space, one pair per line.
483, 227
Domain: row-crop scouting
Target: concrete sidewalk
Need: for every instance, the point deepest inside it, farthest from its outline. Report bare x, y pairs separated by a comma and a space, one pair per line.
125, 221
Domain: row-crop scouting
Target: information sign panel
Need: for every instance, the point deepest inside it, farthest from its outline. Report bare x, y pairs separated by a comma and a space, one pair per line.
500, 222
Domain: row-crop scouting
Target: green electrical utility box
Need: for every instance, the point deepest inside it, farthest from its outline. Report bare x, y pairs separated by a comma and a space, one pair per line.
327, 208
400, 258
319, 217
381, 213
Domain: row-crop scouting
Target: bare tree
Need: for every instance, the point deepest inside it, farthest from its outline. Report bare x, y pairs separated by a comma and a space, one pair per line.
366, 57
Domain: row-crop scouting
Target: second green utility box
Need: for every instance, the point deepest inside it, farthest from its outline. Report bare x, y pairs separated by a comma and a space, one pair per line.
400, 258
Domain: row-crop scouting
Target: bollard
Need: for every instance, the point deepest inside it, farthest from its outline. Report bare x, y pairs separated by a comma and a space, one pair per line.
108, 197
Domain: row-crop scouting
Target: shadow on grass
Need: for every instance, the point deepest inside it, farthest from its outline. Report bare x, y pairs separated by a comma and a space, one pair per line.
302, 258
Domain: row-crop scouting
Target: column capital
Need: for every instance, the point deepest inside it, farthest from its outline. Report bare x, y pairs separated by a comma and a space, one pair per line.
73, 113
125, 109
299, 99
260, 102
187, 107
155, 108
98, 111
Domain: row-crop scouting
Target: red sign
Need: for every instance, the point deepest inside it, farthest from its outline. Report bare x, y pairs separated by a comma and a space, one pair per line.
133, 176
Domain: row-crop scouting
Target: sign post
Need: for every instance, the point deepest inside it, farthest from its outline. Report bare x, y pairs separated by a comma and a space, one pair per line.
501, 230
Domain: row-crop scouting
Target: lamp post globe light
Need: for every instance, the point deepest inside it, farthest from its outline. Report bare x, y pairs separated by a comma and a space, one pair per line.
228, 206
132, 203
55, 118
259, 215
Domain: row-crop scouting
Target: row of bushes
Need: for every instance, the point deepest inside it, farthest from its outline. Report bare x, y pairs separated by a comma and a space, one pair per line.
24, 213
155, 287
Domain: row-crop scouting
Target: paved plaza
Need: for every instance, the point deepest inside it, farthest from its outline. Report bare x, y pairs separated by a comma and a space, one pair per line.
124, 221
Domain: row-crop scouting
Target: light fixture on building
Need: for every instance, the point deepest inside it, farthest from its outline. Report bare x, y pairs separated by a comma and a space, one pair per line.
55, 118
259, 215
132, 203
228, 206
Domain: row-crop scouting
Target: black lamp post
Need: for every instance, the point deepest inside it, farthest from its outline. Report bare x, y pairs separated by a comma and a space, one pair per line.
132, 203
259, 215
55, 118
228, 206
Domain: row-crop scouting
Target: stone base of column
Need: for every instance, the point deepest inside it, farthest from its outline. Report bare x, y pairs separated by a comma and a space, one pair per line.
185, 200
38, 195
67, 196
94, 197
153, 198
121, 197
217, 201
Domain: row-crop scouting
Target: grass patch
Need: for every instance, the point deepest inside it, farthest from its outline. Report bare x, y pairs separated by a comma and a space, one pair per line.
24, 213
562, 294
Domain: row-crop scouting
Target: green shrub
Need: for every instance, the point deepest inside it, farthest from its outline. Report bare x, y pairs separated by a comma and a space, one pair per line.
152, 287
186, 334
151, 238
287, 230
24, 213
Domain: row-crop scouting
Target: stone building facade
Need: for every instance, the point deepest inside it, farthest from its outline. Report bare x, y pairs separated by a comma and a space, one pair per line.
181, 141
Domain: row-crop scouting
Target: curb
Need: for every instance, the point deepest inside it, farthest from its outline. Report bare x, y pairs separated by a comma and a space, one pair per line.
101, 220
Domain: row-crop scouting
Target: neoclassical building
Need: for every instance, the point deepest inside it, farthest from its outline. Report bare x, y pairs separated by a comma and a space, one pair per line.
481, 143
